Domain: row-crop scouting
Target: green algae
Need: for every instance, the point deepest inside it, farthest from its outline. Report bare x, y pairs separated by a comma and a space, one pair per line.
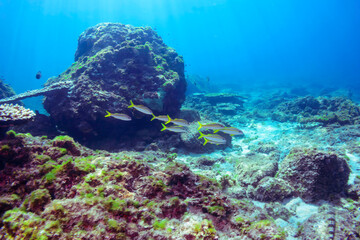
11, 133
22, 225
160, 225
5, 147
51, 176
115, 205
63, 138
83, 164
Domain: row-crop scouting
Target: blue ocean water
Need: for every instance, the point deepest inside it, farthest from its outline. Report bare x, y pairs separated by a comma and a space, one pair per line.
234, 41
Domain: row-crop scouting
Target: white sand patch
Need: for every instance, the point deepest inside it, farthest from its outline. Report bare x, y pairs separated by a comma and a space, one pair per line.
354, 163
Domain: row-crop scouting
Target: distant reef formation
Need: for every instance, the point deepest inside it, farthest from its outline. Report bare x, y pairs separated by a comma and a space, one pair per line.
335, 110
116, 63
5, 89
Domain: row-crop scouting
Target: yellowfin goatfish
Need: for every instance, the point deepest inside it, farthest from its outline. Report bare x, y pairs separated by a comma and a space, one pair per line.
141, 108
120, 116
231, 131
212, 138
177, 121
213, 126
177, 129
163, 118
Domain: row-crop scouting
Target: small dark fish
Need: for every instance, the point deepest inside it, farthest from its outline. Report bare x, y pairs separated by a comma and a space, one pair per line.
38, 75
208, 79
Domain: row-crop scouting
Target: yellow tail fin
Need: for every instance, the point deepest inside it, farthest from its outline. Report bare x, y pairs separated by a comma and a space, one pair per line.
200, 126
205, 142
153, 117
131, 104
169, 119
164, 127
108, 114
201, 135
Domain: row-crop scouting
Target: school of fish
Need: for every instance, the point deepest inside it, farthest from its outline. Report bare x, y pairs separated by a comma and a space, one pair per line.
179, 125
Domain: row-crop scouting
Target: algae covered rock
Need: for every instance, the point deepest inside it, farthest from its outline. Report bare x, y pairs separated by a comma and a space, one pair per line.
252, 168
314, 174
116, 63
13, 150
335, 110
272, 189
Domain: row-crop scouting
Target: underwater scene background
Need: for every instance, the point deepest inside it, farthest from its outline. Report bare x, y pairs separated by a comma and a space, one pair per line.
179, 119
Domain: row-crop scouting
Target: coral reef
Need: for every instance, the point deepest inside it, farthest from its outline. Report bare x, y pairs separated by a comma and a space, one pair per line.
116, 63
11, 115
60, 190
313, 174
41, 125
335, 110
5, 89
216, 105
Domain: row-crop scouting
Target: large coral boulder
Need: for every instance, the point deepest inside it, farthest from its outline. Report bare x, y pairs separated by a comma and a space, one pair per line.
314, 174
116, 63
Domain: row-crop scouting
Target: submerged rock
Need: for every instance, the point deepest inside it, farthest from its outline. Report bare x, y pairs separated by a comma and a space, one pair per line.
5, 90
116, 63
314, 174
335, 110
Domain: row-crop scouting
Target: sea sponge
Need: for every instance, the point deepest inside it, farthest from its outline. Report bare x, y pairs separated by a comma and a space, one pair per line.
14, 114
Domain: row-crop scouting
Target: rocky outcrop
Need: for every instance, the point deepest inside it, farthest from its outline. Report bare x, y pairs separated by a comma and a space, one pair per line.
216, 105
63, 190
314, 174
336, 110
116, 63
5, 89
